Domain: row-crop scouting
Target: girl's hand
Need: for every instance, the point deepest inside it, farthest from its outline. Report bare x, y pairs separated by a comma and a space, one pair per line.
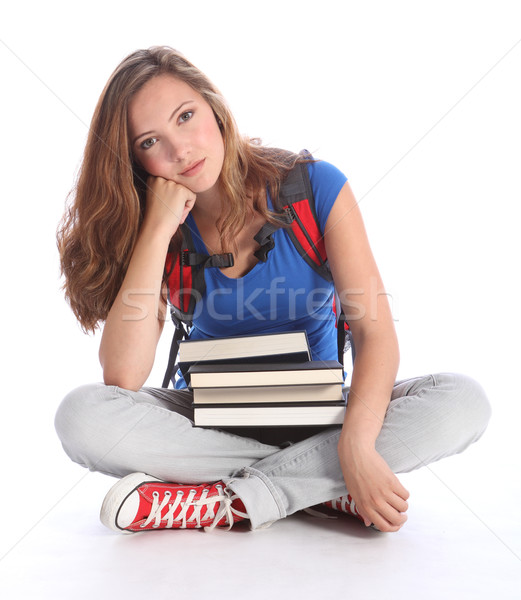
168, 204
379, 497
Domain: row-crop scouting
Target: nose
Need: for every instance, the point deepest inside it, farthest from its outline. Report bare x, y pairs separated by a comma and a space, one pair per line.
177, 149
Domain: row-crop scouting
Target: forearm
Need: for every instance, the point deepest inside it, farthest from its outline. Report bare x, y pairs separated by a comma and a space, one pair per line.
374, 374
136, 319
134, 323
379, 496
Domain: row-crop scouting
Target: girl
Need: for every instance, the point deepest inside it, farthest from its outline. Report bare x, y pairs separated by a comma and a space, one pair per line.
163, 150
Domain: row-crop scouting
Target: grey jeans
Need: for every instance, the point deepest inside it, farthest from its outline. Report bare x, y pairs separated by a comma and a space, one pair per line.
116, 431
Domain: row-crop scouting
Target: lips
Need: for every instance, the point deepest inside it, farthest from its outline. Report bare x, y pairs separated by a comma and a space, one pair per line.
193, 169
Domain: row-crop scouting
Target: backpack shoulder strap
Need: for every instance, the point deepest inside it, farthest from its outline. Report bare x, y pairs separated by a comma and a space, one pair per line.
298, 202
296, 198
296, 207
179, 334
184, 274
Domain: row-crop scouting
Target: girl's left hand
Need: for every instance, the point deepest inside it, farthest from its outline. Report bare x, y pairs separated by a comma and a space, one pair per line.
379, 497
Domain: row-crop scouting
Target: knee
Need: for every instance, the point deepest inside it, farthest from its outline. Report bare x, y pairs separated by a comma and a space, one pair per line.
77, 419
469, 403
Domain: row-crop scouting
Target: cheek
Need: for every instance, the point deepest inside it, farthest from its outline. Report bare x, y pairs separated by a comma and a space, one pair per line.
152, 165
210, 135
219, 146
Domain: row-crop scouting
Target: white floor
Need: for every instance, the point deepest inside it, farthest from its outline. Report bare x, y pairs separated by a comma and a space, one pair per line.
462, 541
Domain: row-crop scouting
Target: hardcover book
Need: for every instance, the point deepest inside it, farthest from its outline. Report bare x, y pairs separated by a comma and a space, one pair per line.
246, 374
272, 347
244, 346
270, 394
270, 415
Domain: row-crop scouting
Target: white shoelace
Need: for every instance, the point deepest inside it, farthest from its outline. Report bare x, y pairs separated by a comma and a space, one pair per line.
223, 499
340, 504
345, 505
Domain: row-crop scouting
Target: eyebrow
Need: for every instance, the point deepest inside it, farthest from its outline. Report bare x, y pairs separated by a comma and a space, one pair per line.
174, 112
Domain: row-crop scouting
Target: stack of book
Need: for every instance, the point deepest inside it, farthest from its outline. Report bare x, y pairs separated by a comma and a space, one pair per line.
263, 380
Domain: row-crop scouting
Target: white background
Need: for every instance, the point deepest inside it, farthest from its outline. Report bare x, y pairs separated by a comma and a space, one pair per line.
417, 102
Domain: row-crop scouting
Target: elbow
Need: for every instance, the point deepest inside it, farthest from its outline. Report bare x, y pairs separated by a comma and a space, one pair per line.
122, 379
122, 376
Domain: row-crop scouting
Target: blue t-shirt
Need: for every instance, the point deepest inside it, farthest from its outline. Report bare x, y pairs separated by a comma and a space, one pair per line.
282, 294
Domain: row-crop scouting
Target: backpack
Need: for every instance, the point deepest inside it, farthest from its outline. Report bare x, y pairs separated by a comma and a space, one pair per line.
184, 271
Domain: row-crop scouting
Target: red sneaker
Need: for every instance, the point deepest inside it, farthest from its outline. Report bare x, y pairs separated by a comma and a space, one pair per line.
344, 504
139, 502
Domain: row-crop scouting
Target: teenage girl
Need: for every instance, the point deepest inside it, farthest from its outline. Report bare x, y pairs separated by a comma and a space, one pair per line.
163, 149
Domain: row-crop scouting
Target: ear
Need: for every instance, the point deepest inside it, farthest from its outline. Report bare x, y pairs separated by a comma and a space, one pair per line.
219, 122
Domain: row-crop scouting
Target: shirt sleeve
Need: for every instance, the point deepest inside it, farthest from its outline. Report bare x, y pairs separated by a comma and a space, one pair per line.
326, 183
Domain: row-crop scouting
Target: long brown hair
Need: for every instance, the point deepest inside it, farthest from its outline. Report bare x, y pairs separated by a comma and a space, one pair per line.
98, 232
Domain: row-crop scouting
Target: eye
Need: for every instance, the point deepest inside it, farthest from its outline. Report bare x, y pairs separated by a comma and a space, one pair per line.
148, 143
186, 116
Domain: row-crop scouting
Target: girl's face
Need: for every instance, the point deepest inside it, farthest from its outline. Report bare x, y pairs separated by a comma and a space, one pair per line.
174, 134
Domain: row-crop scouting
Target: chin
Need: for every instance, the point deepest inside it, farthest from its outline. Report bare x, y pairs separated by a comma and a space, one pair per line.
206, 189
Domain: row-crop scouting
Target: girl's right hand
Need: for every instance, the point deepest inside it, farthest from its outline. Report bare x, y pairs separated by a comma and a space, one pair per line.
168, 204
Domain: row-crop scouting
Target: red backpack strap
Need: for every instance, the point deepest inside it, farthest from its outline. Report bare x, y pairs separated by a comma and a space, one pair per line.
179, 277
184, 275
296, 199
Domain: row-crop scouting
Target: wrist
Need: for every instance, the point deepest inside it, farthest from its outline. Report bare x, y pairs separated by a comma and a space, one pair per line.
361, 427
356, 441
156, 231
